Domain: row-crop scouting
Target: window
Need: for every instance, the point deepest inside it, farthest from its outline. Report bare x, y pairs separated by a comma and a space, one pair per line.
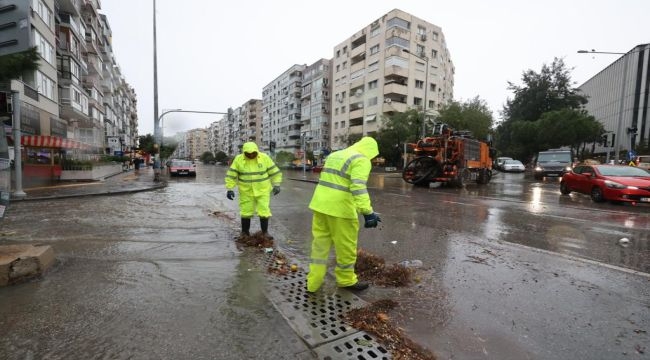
345, 49
342, 124
397, 22
372, 84
338, 53
45, 85
45, 49
338, 68
398, 41
373, 67
422, 30
374, 49
345, 65
372, 101
336, 125
342, 109
43, 11
419, 84
434, 54
434, 36
417, 101
376, 31
432, 87
419, 50
432, 104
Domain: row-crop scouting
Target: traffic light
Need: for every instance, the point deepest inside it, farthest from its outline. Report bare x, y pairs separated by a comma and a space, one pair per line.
632, 130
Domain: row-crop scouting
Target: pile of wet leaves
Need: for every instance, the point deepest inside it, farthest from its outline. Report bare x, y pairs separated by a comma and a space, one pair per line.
257, 239
372, 268
374, 319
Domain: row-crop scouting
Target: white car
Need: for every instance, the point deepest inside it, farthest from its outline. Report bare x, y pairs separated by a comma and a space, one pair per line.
513, 166
499, 162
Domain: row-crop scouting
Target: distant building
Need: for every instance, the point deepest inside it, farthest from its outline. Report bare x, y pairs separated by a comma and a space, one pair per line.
383, 69
619, 99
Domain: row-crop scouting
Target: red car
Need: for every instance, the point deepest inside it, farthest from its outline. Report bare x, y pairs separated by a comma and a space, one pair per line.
182, 167
616, 183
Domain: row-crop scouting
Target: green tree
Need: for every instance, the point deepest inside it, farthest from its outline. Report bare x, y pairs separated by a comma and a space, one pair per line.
206, 157
396, 130
550, 90
221, 157
473, 115
284, 158
12, 66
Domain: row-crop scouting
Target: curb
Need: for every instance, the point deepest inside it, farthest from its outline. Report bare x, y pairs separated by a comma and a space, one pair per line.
67, 196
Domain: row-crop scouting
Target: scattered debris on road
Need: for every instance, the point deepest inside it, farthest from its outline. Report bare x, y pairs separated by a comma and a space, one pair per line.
257, 239
373, 269
375, 320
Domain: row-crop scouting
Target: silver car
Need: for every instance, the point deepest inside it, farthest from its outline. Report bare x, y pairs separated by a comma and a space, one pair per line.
513, 166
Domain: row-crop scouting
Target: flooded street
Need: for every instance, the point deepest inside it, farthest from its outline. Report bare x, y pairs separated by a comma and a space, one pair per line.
511, 270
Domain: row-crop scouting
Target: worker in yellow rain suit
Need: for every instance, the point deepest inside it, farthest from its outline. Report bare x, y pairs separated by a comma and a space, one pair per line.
257, 177
340, 195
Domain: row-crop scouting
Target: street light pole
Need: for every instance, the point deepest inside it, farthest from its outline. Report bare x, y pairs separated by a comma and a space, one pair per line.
426, 88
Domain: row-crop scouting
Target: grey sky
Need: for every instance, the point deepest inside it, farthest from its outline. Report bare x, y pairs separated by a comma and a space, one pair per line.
214, 54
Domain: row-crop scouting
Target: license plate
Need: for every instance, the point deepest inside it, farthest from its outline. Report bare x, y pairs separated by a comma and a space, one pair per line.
183, 172
553, 174
644, 199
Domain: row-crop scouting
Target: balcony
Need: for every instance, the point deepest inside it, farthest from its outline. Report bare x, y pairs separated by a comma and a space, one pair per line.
395, 88
395, 71
394, 106
356, 113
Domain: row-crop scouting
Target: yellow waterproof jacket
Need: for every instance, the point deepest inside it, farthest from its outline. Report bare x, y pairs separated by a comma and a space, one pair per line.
341, 189
253, 176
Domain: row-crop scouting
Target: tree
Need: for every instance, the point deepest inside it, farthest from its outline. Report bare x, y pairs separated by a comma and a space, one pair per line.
396, 130
12, 66
550, 90
206, 157
473, 115
221, 157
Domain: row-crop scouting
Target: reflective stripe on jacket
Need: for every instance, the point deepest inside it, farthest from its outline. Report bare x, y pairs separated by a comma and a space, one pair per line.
253, 176
341, 189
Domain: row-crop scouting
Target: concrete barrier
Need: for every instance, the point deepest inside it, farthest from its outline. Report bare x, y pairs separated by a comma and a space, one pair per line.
100, 172
19, 263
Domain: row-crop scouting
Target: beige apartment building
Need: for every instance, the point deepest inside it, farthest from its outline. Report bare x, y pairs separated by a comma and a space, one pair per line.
396, 63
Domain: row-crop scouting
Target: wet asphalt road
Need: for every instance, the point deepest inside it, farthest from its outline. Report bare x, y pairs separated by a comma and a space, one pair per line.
511, 270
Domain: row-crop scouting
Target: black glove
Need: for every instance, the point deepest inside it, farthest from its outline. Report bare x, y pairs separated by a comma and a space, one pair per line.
276, 189
372, 220
230, 195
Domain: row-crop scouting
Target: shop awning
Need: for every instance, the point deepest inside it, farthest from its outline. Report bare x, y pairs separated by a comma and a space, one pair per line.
45, 141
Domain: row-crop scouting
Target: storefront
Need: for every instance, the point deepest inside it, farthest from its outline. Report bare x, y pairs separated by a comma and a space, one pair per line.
42, 156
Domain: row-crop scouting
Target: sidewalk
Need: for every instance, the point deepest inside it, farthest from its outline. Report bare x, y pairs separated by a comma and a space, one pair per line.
122, 183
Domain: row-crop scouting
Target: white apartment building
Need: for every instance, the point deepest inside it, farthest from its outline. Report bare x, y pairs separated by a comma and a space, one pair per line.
396, 63
315, 106
619, 99
281, 112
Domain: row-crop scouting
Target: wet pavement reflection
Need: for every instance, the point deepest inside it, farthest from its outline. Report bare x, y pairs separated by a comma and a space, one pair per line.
511, 270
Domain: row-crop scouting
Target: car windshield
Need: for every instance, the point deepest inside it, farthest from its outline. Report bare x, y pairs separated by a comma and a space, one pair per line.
629, 171
181, 163
554, 157
513, 162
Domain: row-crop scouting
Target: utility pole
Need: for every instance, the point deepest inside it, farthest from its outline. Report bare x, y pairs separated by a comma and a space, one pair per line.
18, 160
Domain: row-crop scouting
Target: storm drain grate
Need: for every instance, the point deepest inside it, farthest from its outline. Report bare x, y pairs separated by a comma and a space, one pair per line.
359, 346
315, 317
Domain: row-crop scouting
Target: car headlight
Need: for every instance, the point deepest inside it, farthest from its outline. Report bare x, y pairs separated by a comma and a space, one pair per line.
568, 168
614, 185
538, 168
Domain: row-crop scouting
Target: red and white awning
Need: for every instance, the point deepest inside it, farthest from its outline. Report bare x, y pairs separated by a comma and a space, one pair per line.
45, 141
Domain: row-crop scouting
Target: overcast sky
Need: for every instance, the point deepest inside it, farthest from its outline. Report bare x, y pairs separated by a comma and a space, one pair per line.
214, 54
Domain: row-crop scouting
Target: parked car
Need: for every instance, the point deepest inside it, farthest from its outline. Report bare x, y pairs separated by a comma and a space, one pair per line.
181, 167
498, 163
617, 183
513, 166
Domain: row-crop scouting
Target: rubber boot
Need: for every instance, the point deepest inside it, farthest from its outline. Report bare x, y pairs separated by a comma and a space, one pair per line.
264, 224
245, 226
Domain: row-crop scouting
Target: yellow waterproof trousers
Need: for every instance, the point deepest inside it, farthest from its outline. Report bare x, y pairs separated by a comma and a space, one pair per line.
248, 204
327, 230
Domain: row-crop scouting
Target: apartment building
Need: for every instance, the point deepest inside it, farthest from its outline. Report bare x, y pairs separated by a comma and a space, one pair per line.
37, 89
251, 121
396, 63
281, 111
77, 92
619, 99
315, 106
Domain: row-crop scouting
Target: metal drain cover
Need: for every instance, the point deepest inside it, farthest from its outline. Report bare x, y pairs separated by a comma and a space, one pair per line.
315, 317
359, 346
